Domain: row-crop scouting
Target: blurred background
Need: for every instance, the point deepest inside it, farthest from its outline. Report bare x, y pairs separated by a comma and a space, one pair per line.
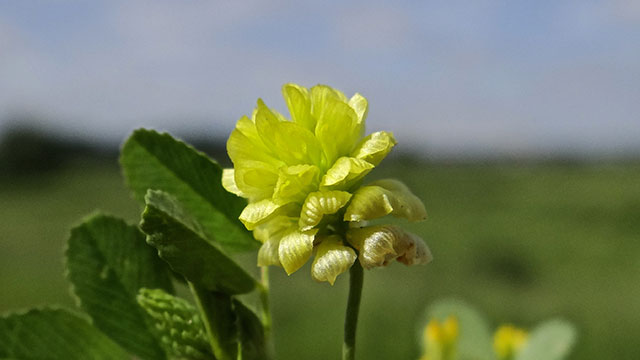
518, 125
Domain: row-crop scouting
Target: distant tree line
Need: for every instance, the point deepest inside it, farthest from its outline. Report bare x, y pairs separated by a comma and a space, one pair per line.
27, 151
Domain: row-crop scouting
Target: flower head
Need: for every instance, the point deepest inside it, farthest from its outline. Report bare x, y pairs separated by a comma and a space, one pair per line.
440, 339
303, 180
508, 340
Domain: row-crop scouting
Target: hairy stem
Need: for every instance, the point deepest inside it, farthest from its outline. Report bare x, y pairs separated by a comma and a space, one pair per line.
353, 307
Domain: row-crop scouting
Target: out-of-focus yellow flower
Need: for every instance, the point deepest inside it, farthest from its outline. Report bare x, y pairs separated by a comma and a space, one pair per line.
303, 180
508, 340
440, 339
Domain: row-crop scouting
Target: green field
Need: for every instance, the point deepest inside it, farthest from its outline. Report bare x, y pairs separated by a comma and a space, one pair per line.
523, 243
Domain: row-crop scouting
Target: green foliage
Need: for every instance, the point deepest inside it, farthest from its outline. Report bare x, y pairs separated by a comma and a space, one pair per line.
54, 334
112, 267
178, 324
181, 243
547, 221
157, 161
551, 340
193, 224
107, 263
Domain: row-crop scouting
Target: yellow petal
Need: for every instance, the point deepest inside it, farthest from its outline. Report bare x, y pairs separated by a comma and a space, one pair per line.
375, 147
321, 203
332, 259
320, 95
295, 182
259, 212
266, 123
369, 202
274, 227
245, 144
360, 105
295, 249
379, 245
229, 182
268, 253
269, 234
406, 205
255, 179
299, 103
291, 142
385, 197
338, 129
345, 173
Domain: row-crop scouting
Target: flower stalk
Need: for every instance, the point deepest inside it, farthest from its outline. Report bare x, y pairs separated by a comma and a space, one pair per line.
356, 278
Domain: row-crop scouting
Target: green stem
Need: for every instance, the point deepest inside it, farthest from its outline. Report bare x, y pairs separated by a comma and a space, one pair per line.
264, 300
266, 312
353, 306
215, 310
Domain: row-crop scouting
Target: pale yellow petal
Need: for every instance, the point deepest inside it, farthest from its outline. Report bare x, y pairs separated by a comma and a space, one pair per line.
319, 97
375, 244
385, 197
407, 205
319, 204
416, 251
229, 182
375, 147
295, 249
259, 212
255, 179
291, 142
245, 144
269, 234
332, 259
274, 227
360, 105
295, 182
268, 253
345, 173
369, 202
299, 103
338, 129
379, 245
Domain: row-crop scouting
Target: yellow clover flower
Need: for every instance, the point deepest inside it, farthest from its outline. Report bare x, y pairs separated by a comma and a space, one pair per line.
303, 179
508, 340
440, 339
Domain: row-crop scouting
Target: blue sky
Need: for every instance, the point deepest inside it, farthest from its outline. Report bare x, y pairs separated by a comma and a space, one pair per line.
447, 77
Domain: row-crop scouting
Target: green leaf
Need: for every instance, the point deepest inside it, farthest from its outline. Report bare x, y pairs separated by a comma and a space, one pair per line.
157, 161
474, 340
107, 262
54, 334
180, 242
551, 340
177, 323
250, 333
